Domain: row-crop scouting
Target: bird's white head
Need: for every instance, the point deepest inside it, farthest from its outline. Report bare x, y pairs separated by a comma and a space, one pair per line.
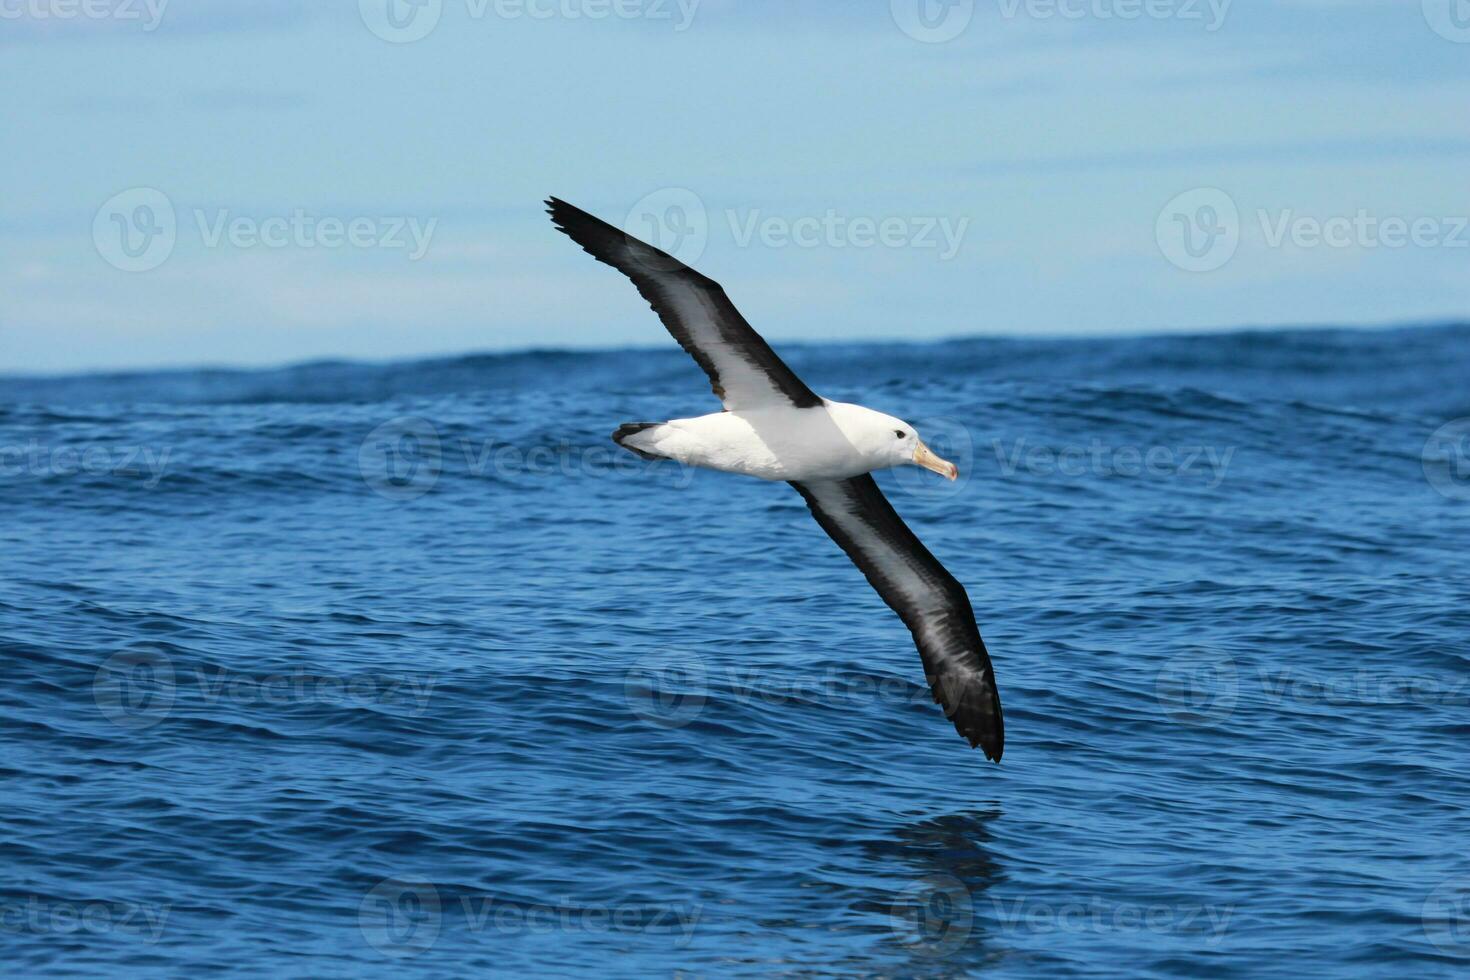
889, 442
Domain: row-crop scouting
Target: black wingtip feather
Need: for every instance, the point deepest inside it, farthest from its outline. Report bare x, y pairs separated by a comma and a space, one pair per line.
564, 215
973, 705
570, 220
613, 246
583, 228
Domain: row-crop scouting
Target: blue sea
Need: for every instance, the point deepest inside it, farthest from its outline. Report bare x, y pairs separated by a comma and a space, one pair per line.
404, 670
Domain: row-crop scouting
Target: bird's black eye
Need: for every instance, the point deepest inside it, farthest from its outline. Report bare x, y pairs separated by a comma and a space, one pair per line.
898, 432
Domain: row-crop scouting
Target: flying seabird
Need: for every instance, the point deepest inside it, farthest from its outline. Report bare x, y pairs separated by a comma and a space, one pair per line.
776, 428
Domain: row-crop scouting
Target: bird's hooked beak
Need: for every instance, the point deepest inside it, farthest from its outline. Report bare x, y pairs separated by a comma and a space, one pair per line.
924, 456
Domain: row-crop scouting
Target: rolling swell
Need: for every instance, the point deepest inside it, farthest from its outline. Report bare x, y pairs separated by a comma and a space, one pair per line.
345, 669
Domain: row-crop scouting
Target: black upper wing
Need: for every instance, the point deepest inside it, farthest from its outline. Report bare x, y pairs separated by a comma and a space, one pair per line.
743, 370
931, 603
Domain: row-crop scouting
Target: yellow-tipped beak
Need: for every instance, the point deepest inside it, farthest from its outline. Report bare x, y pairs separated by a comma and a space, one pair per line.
925, 457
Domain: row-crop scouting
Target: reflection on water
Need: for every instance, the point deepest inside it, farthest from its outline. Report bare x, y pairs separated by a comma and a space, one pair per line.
935, 919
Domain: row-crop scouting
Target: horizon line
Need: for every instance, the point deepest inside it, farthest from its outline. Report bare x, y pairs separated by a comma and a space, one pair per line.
9, 374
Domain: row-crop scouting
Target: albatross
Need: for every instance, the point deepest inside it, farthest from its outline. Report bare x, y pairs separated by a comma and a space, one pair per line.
774, 427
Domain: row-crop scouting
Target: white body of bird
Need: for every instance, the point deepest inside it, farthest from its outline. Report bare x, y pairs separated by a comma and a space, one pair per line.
832, 441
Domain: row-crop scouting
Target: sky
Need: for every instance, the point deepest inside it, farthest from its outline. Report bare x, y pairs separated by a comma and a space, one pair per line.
259, 182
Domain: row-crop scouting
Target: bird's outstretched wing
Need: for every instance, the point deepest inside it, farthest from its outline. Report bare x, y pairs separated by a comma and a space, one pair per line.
743, 370
926, 597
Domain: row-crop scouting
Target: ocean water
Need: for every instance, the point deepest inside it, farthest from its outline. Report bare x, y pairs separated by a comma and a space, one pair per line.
404, 670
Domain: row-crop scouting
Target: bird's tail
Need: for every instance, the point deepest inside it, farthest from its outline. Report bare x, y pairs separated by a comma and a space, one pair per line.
628, 434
